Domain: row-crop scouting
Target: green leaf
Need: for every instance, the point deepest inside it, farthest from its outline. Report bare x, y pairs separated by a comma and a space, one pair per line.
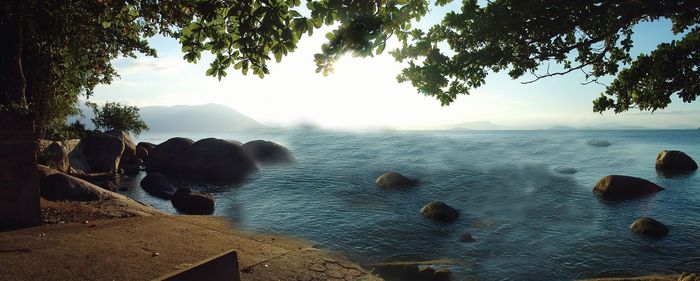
380, 48
278, 56
106, 24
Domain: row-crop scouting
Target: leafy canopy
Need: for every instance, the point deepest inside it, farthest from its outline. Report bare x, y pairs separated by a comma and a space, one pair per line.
118, 116
67, 46
591, 36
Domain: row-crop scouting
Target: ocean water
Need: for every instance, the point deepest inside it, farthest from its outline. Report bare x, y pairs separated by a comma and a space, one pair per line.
529, 221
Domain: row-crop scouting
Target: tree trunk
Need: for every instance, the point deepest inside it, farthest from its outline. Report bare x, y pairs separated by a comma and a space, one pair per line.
19, 184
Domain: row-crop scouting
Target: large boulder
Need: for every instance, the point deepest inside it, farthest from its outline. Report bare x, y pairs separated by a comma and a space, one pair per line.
267, 152
78, 160
618, 187
161, 157
143, 149
107, 180
649, 227
103, 152
195, 203
59, 187
129, 154
157, 185
674, 160
439, 211
54, 156
213, 161
141, 152
394, 180
44, 171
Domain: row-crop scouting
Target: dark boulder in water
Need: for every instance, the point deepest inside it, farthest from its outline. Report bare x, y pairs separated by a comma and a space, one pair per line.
395, 180
599, 143
674, 160
267, 152
649, 227
161, 157
195, 203
618, 187
157, 185
213, 161
439, 211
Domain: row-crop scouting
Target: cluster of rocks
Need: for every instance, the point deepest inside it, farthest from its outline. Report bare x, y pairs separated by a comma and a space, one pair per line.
209, 160
98, 159
619, 187
55, 185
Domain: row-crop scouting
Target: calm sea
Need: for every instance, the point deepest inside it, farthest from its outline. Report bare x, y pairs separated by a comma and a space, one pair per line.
529, 221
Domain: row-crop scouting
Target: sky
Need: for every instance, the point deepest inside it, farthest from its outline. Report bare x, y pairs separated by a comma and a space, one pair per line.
363, 92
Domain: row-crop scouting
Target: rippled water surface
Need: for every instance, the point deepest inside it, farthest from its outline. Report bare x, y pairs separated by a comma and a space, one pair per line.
529, 221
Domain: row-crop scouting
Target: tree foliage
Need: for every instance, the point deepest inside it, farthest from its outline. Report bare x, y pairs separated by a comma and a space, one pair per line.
591, 36
118, 116
56, 50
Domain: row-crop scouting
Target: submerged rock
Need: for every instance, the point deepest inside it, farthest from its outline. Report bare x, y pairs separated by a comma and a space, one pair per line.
674, 160
395, 180
566, 170
267, 152
439, 211
649, 227
618, 187
196, 203
599, 143
467, 238
157, 185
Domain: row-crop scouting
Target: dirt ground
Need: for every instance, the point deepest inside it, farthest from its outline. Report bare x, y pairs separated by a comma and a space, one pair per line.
143, 248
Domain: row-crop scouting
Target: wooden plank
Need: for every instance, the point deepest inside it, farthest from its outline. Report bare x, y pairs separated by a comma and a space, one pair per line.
222, 267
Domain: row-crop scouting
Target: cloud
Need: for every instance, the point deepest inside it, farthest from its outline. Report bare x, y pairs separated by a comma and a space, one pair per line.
148, 65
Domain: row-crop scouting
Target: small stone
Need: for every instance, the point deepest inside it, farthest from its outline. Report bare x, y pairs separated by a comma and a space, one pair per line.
439, 211
467, 238
155, 254
649, 227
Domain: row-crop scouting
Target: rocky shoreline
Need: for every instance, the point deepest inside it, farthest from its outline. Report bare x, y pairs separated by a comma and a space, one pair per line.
217, 161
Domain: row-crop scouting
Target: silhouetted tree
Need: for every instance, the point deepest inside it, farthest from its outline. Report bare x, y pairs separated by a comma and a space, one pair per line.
117, 116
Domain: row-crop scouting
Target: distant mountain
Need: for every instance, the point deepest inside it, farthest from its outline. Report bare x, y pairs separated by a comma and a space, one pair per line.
562, 128
206, 118
479, 125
